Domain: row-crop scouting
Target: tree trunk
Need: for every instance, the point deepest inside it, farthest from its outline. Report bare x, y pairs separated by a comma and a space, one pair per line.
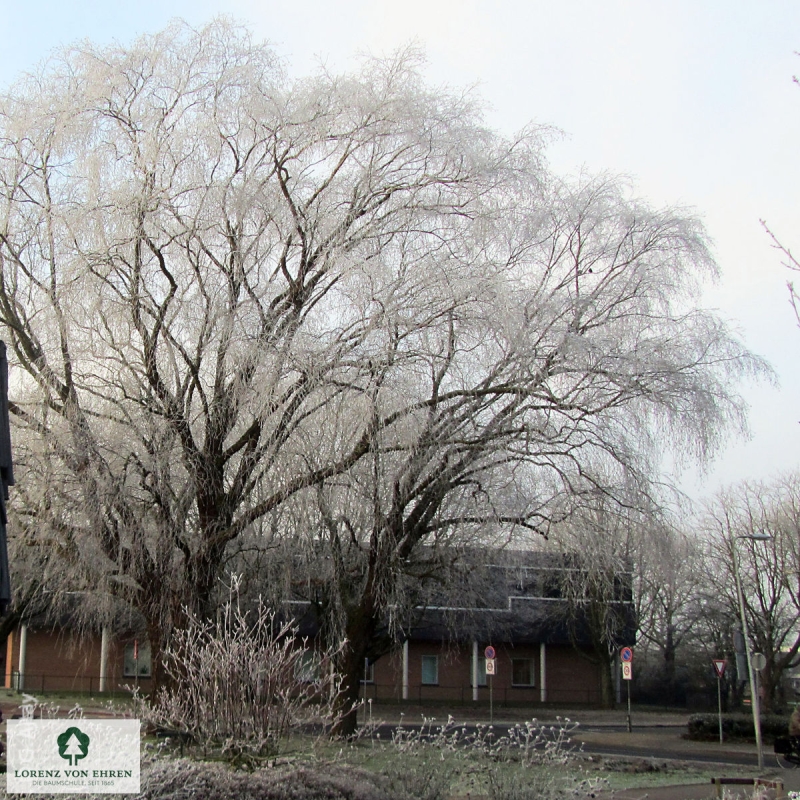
669, 667
608, 689
359, 631
158, 678
768, 686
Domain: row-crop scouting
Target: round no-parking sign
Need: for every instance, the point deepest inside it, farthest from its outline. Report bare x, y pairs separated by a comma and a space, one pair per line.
489, 652
626, 655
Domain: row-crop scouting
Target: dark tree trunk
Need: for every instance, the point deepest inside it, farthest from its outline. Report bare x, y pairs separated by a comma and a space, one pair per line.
768, 681
360, 632
608, 689
669, 667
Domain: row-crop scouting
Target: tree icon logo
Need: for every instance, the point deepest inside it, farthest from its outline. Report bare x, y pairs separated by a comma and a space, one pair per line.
73, 745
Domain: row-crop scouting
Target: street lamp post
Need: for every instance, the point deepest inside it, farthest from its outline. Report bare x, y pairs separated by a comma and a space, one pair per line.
755, 703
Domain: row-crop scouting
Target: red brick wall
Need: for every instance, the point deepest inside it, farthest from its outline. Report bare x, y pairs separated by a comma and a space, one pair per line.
570, 678
60, 661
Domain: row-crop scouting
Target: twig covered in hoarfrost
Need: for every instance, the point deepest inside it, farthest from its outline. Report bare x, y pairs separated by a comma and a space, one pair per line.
243, 683
532, 741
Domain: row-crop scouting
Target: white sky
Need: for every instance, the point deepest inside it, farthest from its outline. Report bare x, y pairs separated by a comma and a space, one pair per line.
691, 98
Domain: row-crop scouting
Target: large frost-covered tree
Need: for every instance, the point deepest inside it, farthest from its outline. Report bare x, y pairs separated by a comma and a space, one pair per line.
337, 308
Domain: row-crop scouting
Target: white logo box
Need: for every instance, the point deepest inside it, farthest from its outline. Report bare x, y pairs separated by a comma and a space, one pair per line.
95, 756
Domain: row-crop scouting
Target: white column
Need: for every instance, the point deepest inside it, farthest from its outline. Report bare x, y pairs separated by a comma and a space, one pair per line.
543, 672
23, 648
105, 641
475, 670
405, 670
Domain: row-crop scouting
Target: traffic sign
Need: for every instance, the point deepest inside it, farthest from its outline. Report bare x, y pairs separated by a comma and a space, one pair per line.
719, 666
627, 671
490, 666
489, 652
626, 654
759, 661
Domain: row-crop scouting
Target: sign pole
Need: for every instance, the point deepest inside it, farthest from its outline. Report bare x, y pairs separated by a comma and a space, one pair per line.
490, 654
626, 657
719, 669
630, 728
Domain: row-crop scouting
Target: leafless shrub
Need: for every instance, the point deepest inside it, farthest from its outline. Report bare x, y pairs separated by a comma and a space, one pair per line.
530, 743
242, 683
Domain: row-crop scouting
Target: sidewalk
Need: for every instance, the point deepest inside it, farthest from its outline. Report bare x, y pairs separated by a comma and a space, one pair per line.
655, 735
706, 791
668, 739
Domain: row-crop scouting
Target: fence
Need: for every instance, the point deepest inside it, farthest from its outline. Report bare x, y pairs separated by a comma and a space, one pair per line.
462, 695
458, 694
79, 684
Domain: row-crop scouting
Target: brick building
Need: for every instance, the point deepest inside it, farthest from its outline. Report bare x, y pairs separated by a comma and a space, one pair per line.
518, 606
42, 657
543, 652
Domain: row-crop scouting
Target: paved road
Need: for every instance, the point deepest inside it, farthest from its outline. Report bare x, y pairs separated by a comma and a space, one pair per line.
667, 752
662, 742
645, 742
666, 742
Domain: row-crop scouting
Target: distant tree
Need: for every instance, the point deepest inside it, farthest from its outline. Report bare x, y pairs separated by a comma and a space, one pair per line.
669, 569
770, 570
340, 306
598, 544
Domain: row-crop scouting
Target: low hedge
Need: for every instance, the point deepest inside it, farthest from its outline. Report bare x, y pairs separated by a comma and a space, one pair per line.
705, 727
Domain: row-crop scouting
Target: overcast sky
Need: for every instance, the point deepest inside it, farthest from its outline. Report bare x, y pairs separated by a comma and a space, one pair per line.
693, 100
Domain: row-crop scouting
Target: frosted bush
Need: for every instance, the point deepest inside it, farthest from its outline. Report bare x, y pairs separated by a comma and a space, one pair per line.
242, 683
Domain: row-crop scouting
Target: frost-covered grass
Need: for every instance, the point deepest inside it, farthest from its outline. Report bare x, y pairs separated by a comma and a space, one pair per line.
362, 773
436, 762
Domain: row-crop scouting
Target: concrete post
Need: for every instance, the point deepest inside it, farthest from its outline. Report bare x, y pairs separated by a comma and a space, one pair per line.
105, 641
405, 670
475, 670
543, 672
23, 648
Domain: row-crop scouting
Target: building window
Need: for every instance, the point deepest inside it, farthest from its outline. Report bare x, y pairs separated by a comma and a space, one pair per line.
368, 675
136, 662
522, 672
307, 667
481, 671
430, 670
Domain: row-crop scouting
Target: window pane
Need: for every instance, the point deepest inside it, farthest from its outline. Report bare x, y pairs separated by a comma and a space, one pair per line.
136, 657
369, 673
307, 667
522, 672
430, 670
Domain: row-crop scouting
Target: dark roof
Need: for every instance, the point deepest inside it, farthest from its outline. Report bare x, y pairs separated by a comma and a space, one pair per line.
515, 598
